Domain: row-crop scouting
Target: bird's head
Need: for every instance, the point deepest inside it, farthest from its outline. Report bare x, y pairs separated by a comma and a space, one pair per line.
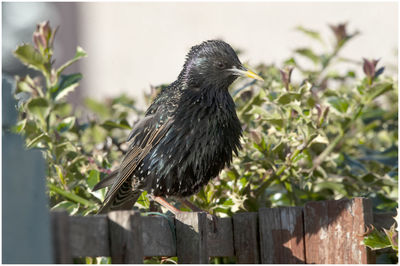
213, 64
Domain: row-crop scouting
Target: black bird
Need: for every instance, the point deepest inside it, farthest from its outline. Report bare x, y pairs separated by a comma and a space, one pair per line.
187, 135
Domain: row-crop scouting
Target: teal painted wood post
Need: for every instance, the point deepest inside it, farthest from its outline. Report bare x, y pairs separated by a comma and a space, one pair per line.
25, 216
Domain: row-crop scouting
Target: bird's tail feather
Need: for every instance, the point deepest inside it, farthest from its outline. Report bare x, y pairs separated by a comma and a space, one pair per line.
120, 202
107, 181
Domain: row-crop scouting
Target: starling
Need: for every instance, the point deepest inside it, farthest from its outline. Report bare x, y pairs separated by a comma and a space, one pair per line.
187, 135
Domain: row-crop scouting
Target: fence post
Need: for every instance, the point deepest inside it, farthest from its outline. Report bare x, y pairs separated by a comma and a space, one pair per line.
26, 234
191, 237
125, 228
334, 231
60, 234
220, 237
89, 236
281, 235
245, 234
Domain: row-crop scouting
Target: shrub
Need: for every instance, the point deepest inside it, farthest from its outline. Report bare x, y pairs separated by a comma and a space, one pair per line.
330, 135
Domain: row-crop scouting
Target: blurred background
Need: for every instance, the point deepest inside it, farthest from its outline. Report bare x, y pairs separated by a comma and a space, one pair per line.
133, 45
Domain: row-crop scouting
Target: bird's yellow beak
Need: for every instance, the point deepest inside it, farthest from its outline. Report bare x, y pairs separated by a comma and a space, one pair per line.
247, 73
252, 75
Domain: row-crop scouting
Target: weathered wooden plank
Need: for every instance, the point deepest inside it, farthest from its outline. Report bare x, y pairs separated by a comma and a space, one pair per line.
220, 239
60, 237
89, 236
158, 236
125, 228
245, 233
191, 234
281, 235
334, 231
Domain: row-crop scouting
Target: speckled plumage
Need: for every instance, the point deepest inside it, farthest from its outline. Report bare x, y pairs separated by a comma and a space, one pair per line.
187, 135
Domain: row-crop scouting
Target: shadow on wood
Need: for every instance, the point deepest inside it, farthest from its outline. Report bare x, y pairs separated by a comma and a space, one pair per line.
281, 235
125, 229
191, 237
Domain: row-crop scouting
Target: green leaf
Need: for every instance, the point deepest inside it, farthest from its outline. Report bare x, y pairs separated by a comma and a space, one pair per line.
339, 104
26, 85
111, 125
338, 187
393, 236
80, 53
71, 207
308, 53
66, 91
255, 109
39, 138
31, 129
310, 33
93, 179
376, 240
94, 134
67, 84
379, 89
66, 124
276, 122
255, 101
62, 109
369, 178
98, 107
287, 97
60, 174
20, 126
39, 107
144, 200
30, 57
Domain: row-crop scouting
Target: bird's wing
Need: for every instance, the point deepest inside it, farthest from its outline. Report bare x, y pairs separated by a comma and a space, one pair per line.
135, 133
145, 136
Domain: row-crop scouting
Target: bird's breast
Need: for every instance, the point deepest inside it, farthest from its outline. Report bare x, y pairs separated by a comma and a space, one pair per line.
198, 145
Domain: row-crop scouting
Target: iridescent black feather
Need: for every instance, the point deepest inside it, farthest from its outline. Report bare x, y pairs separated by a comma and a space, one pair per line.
188, 133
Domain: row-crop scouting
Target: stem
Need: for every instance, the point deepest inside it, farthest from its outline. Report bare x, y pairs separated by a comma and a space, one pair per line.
327, 62
69, 195
322, 156
265, 185
336, 141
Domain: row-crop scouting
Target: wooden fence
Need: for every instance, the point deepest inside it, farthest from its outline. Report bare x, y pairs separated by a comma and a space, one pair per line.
320, 232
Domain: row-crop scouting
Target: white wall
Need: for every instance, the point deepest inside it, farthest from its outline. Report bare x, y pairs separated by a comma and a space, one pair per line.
133, 45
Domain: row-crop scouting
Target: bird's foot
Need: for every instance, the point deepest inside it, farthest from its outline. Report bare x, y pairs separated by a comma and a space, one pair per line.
166, 204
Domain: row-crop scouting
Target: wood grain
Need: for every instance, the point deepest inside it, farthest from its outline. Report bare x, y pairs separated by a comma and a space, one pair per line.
89, 236
158, 236
125, 237
220, 239
246, 239
334, 231
191, 237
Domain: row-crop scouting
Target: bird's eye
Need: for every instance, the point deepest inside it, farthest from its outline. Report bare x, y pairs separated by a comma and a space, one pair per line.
220, 65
